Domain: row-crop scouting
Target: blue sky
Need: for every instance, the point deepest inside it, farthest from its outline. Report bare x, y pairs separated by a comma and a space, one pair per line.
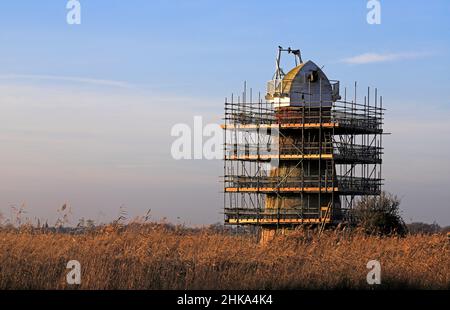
86, 110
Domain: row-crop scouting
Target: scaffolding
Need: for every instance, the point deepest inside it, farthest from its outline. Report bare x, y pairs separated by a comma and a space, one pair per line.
300, 164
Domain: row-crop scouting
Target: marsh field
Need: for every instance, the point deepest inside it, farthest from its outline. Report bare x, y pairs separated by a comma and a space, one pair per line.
157, 256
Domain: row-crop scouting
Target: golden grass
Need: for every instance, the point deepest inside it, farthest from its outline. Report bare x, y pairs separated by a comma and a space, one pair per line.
152, 256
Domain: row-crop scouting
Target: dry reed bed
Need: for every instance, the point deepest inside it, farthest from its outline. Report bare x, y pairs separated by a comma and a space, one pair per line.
153, 257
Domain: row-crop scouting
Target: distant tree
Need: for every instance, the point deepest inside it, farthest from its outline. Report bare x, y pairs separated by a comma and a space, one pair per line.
380, 214
90, 223
216, 227
423, 228
81, 222
220, 228
446, 229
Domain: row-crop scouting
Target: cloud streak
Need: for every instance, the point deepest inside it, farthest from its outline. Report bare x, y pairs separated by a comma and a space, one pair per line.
368, 58
75, 79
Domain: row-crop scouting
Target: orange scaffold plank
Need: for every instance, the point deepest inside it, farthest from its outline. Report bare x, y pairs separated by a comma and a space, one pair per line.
281, 189
285, 156
288, 125
278, 221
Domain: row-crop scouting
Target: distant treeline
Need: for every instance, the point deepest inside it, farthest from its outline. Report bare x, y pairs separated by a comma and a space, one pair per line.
424, 228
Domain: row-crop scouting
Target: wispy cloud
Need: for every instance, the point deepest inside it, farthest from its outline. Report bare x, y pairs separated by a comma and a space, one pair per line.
367, 58
75, 79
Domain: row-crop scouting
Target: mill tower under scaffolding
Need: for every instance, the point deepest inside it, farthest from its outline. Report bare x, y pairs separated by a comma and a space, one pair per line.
302, 154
